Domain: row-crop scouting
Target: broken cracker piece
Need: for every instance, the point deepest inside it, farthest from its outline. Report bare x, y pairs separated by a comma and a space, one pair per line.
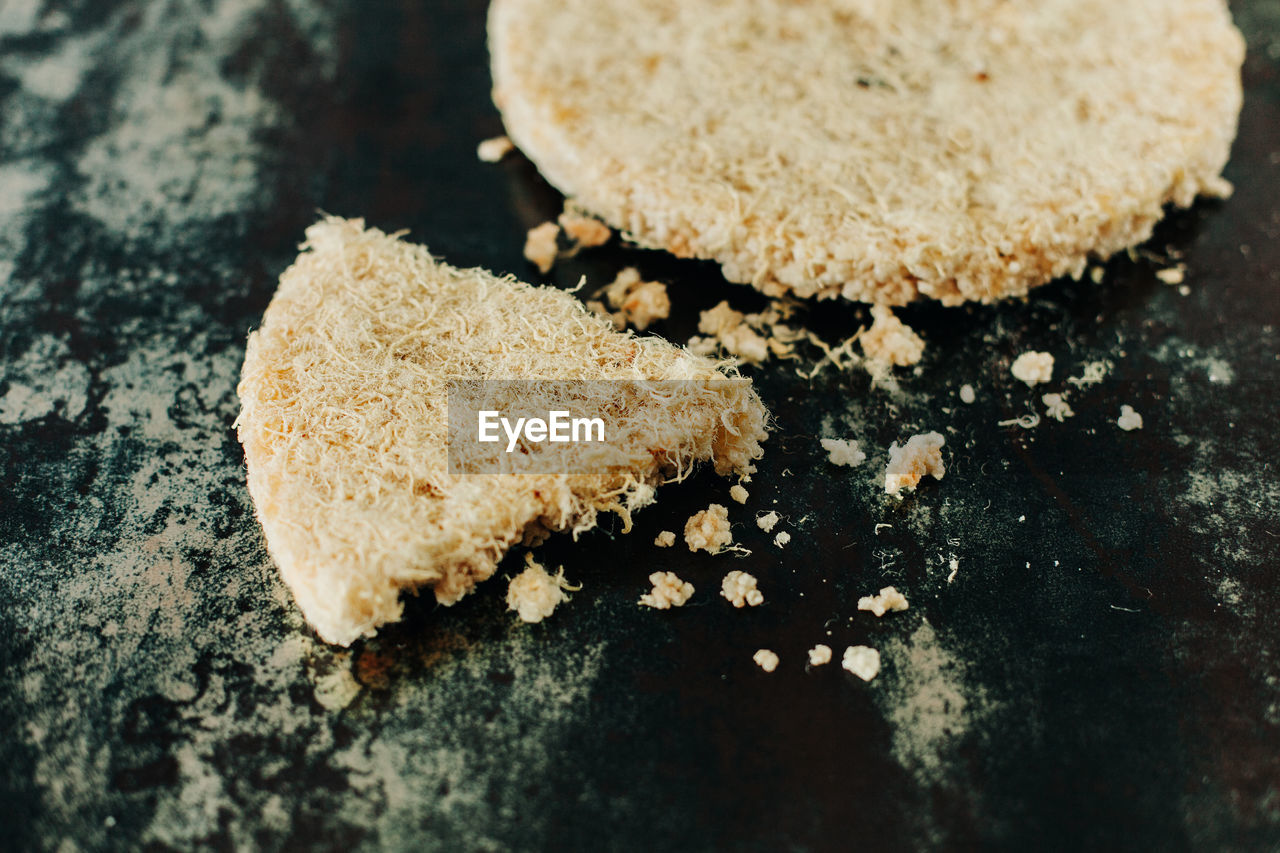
665, 539
862, 661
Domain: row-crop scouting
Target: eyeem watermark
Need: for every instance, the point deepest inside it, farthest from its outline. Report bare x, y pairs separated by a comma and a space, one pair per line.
531, 426
558, 426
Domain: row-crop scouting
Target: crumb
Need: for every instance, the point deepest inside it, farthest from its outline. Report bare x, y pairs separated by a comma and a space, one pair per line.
841, 452
1055, 406
890, 340
1129, 419
708, 530
1033, 367
966, 394
889, 599
637, 302
668, 591
738, 493
1096, 274
739, 589
534, 594
767, 660
1093, 373
540, 245
767, 521
922, 454
587, 232
726, 326
1172, 275
493, 150
954, 566
665, 539
782, 539
819, 654
699, 345
862, 661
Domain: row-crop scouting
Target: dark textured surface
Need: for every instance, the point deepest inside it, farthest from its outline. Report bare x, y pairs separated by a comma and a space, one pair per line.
1102, 671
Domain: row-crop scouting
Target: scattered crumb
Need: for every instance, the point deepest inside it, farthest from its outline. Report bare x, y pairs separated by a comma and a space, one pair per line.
1093, 373
890, 340
708, 530
888, 599
586, 231
782, 539
1055, 406
493, 150
921, 455
634, 301
1096, 274
665, 539
842, 452
954, 566
534, 594
1033, 367
1129, 419
767, 521
819, 654
738, 493
966, 394
739, 589
668, 591
540, 245
726, 326
767, 660
1172, 275
862, 661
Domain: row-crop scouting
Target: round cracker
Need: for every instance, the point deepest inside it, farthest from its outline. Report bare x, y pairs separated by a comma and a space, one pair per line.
881, 151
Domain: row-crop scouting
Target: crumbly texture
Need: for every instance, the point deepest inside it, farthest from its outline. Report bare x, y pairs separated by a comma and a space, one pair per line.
668, 591
1057, 407
540, 245
949, 149
665, 539
636, 302
967, 394
862, 661
586, 232
890, 340
1172, 275
534, 594
766, 660
739, 589
921, 455
843, 452
886, 601
708, 530
344, 423
493, 150
819, 655
1032, 367
726, 327
768, 521
738, 493
1129, 419
783, 538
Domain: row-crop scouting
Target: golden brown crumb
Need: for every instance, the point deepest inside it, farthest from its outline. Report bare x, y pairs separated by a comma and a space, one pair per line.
708, 530
739, 589
586, 231
665, 539
889, 599
493, 150
540, 245
668, 591
738, 493
726, 326
890, 340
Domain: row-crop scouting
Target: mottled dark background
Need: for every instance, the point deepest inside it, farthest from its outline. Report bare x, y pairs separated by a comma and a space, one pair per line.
1101, 672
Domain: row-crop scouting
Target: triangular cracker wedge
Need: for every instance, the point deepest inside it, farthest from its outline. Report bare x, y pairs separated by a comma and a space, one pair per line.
343, 422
